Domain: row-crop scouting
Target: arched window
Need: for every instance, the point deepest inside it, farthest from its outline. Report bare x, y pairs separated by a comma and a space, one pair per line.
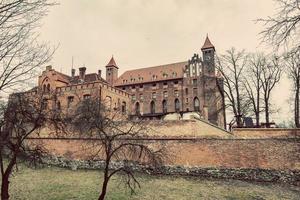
196, 104
137, 108
152, 107
164, 106
177, 105
48, 88
124, 107
44, 88
58, 106
108, 102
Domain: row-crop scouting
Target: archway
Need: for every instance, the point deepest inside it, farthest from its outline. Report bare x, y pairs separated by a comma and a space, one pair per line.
164, 106
196, 104
137, 108
177, 105
152, 107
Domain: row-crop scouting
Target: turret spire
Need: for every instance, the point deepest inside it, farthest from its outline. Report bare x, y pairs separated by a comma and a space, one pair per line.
207, 44
112, 63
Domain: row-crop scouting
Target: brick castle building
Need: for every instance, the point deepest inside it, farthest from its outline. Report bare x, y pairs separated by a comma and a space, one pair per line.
155, 92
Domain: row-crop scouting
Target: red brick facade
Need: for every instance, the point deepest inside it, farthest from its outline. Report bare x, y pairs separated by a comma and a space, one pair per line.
189, 86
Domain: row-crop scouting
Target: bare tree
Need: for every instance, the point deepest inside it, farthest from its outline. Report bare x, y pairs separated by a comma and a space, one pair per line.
21, 54
271, 74
23, 116
121, 141
252, 84
292, 63
283, 27
231, 66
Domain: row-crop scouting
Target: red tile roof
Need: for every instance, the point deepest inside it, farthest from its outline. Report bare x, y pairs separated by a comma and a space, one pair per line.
152, 74
207, 44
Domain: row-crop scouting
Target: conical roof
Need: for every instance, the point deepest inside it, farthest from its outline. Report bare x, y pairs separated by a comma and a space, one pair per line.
112, 63
207, 44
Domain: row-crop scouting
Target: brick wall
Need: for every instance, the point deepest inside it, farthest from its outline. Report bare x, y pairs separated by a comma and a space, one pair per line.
266, 133
267, 153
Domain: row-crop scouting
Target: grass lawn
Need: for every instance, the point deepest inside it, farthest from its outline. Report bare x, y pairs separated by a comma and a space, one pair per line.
62, 184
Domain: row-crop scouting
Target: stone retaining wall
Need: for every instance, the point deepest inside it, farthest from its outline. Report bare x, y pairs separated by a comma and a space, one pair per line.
260, 175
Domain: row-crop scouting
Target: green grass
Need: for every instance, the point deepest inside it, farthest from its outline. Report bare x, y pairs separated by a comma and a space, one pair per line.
62, 184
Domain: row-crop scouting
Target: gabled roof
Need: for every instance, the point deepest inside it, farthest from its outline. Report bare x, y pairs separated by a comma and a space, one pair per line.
112, 63
207, 44
152, 74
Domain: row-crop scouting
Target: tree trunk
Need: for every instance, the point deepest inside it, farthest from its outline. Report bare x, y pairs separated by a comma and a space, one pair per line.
4, 187
5, 178
267, 114
104, 188
257, 106
297, 105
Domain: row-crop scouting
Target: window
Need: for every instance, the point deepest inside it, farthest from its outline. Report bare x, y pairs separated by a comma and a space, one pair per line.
154, 85
70, 100
177, 105
165, 75
165, 83
123, 88
44, 104
176, 93
154, 77
58, 106
196, 104
48, 88
174, 74
152, 107
141, 97
175, 82
86, 96
141, 86
186, 91
195, 91
164, 106
108, 102
186, 100
137, 108
133, 87
124, 107
165, 94
195, 81
153, 95
133, 97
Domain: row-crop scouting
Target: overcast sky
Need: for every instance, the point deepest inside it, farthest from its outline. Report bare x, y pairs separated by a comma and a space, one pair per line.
143, 33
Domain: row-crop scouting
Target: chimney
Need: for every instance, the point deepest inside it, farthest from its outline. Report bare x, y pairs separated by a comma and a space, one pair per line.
99, 73
73, 73
82, 73
48, 68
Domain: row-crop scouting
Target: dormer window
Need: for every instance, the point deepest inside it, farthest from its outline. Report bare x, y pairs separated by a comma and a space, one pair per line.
165, 75
154, 77
174, 74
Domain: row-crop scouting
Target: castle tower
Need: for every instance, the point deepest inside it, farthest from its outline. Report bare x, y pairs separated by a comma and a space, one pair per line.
111, 71
208, 53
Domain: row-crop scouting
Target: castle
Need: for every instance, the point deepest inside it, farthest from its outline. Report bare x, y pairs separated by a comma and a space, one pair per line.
155, 92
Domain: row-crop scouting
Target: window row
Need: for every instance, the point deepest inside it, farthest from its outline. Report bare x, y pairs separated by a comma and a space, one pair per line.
196, 104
